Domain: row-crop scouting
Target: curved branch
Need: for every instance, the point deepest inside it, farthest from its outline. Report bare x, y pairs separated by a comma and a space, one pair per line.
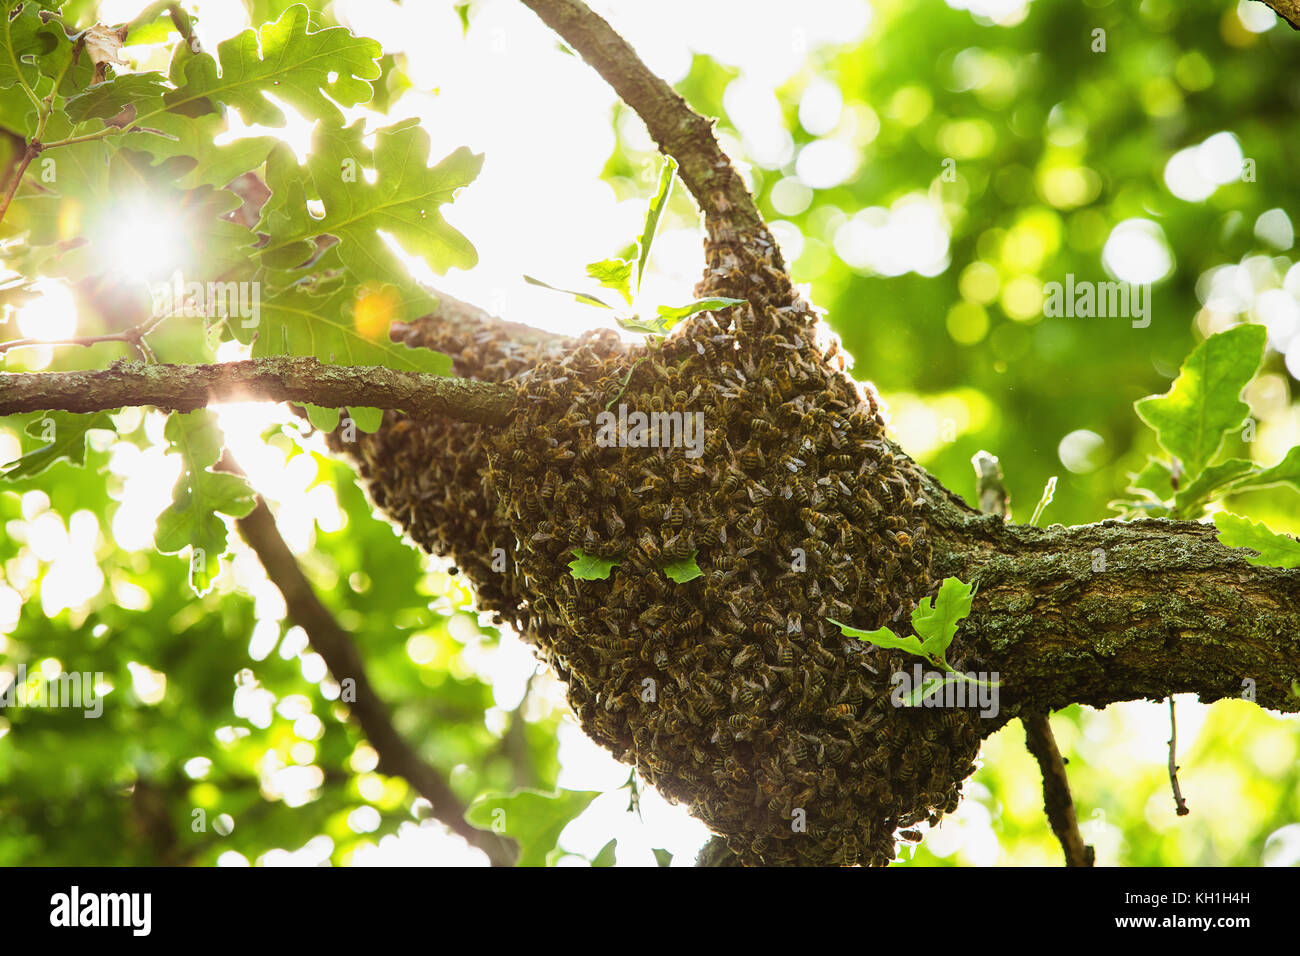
184, 388
680, 132
335, 645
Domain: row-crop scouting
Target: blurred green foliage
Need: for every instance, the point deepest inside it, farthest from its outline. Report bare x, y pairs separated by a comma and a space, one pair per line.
1032, 145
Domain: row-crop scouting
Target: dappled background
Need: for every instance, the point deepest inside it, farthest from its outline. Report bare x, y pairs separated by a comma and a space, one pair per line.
927, 168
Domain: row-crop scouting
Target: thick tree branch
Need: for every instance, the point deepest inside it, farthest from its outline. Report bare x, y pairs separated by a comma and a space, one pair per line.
187, 387
335, 645
1119, 610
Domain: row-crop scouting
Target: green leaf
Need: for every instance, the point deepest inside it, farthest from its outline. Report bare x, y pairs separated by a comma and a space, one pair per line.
200, 496
663, 857
21, 39
669, 316
936, 621
652, 216
403, 202
588, 567
1156, 477
613, 274
1285, 472
367, 420
187, 148
606, 855
533, 819
322, 419
927, 687
882, 637
580, 296
636, 324
1191, 498
1205, 400
105, 100
1274, 550
347, 327
684, 570
311, 70
67, 442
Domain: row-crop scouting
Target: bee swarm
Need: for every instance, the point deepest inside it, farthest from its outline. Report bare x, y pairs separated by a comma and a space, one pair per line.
731, 692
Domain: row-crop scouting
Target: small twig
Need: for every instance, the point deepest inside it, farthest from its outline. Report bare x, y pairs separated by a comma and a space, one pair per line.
1180, 805
132, 337
1049, 492
336, 647
1058, 804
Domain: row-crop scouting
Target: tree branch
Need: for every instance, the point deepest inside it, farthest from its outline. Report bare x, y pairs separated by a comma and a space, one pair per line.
1119, 610
724, 199
335, 645
187, 387
1057, 802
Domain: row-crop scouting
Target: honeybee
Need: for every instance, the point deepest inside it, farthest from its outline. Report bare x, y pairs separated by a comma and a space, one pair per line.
679, 548
751, 458
814, 520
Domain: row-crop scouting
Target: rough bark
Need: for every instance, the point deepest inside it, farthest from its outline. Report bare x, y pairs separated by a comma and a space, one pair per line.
1119, 610
183, 388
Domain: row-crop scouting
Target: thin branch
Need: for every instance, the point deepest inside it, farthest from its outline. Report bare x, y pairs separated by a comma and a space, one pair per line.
1057, 802
1180, 805
187, 387
678, 130
335, 645
32, 150
130, 337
